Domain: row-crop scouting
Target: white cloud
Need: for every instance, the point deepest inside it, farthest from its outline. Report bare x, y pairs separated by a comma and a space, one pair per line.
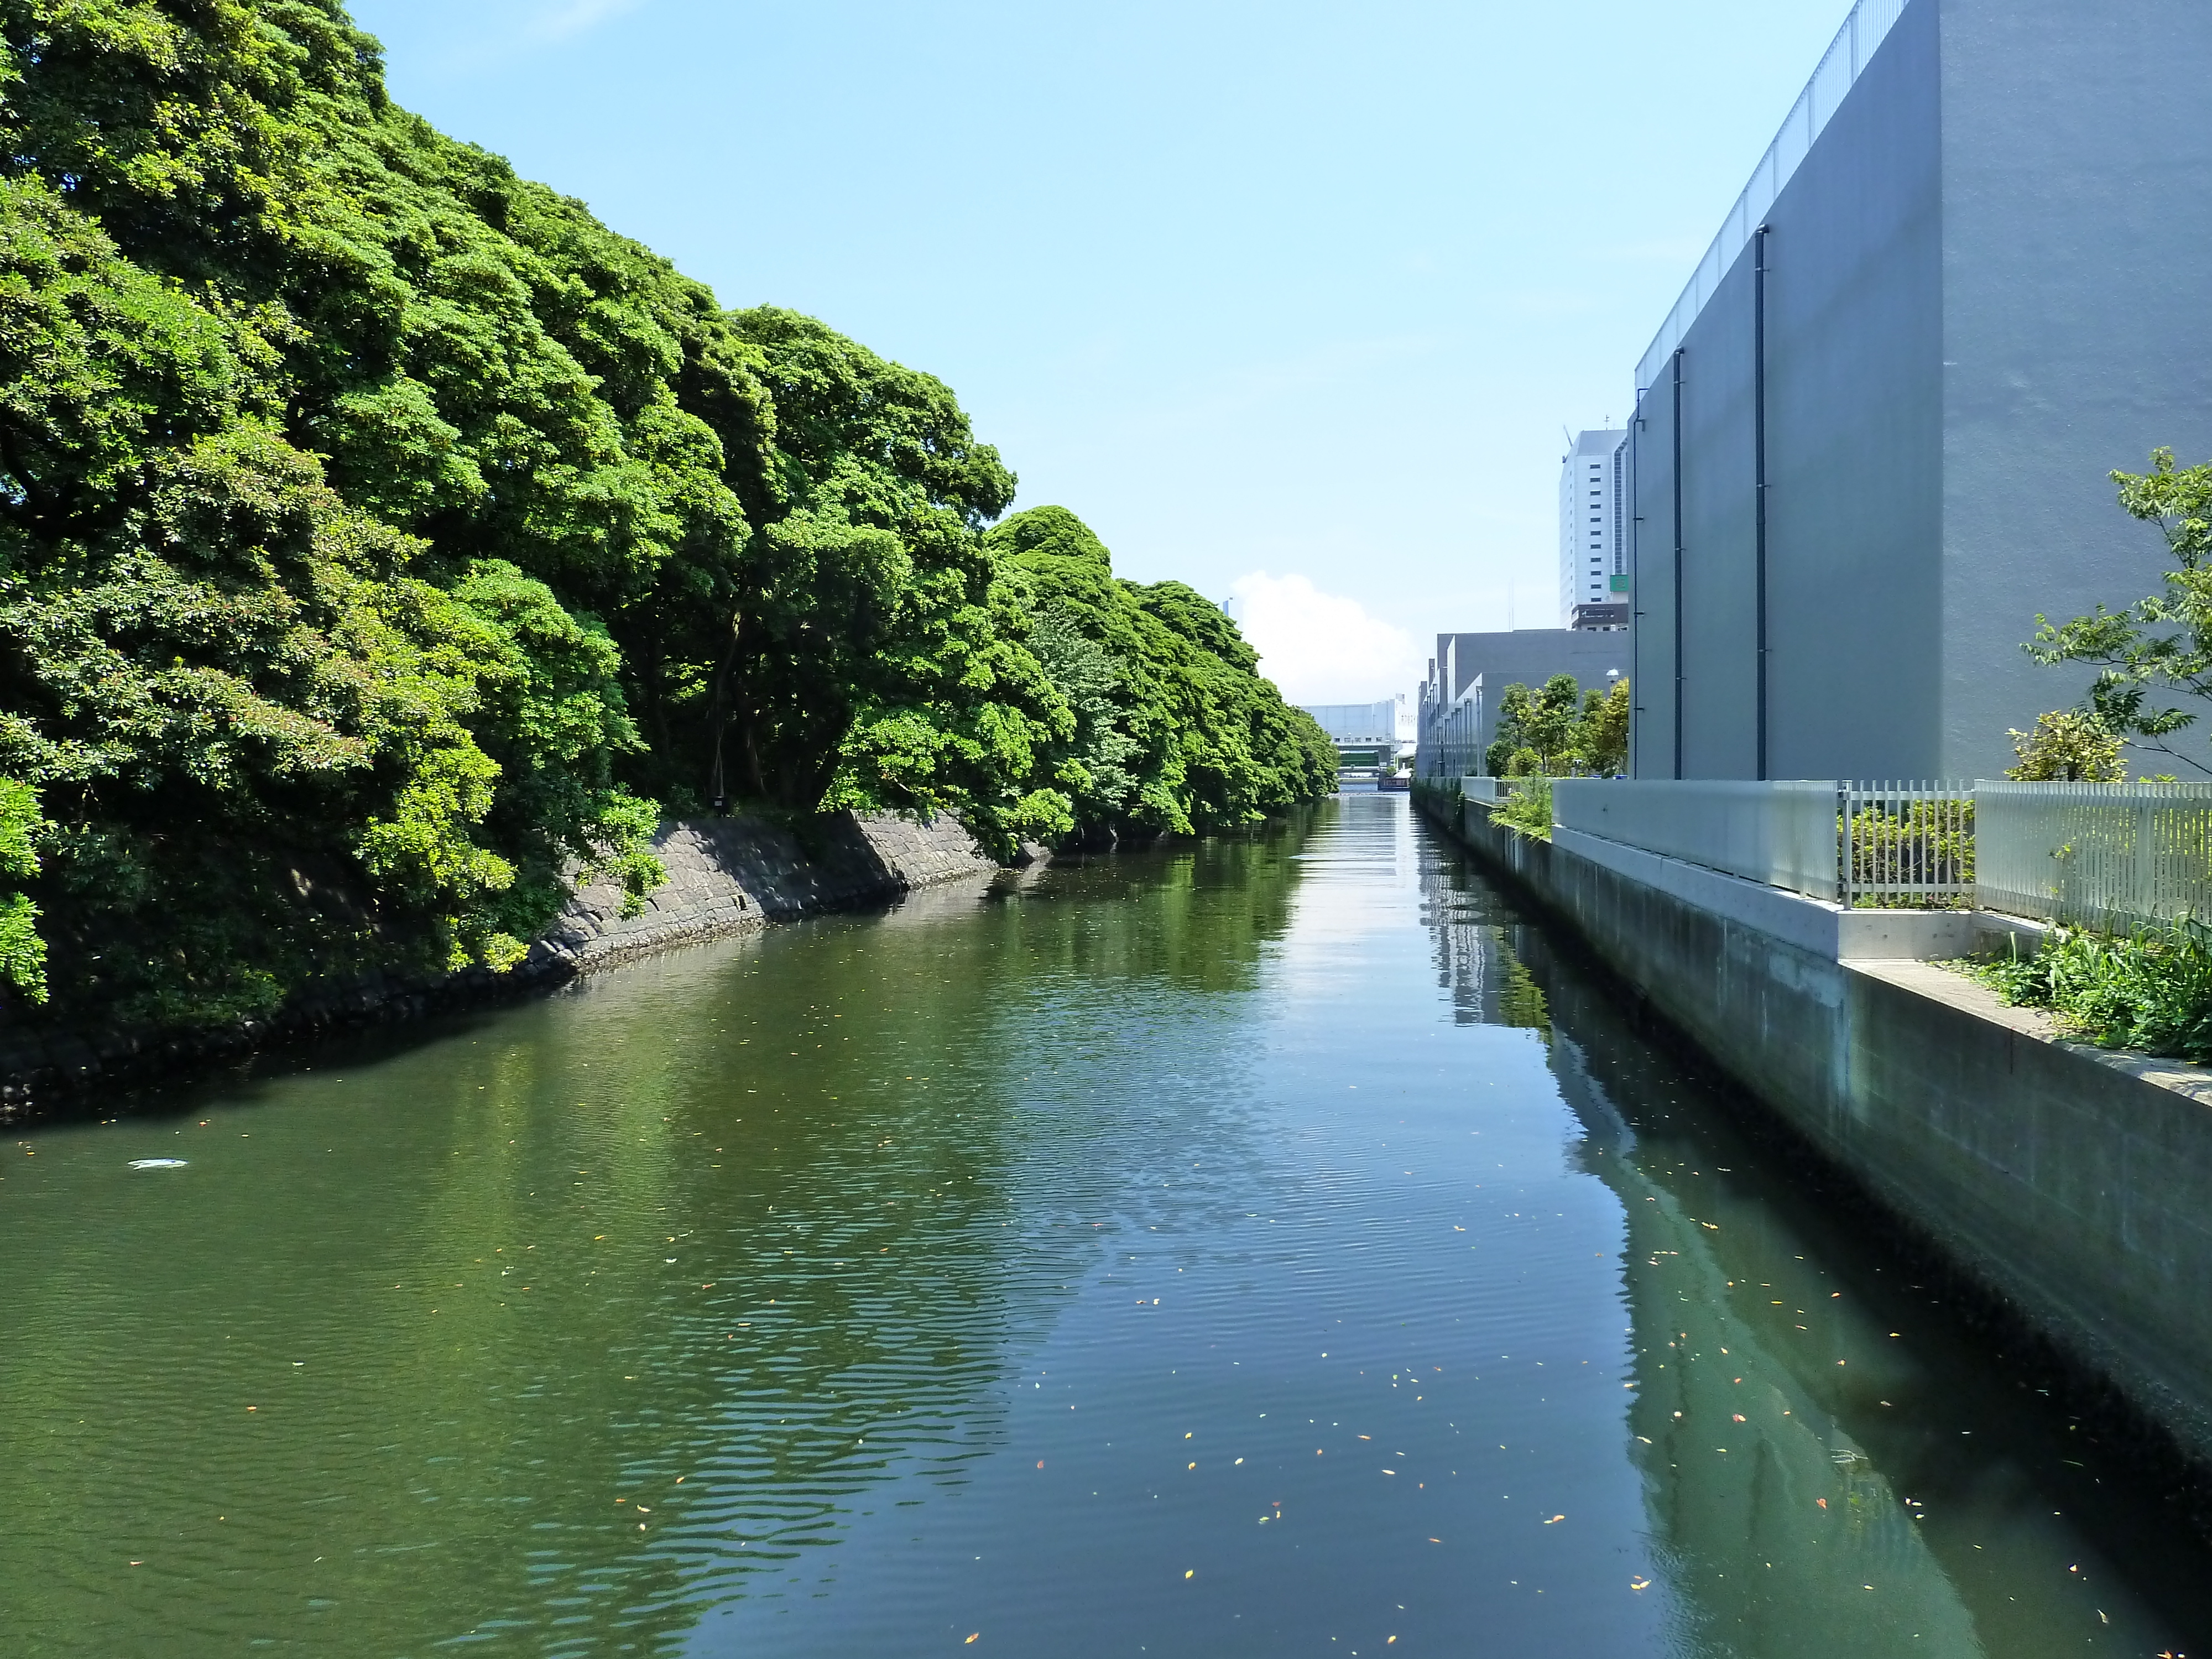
575, 16
1322, 647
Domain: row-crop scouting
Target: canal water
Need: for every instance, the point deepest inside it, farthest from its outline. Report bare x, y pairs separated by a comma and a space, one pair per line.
1267, 1247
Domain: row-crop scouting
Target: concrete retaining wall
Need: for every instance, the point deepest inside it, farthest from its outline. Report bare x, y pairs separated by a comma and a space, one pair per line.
725, 875
2075, 1184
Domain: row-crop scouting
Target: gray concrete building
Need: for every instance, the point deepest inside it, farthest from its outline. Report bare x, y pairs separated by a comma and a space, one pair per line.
1872, 442
1458, 714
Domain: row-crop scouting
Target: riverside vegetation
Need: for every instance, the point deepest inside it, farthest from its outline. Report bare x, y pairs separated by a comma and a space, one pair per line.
385, 543
2150, 989
1556, 729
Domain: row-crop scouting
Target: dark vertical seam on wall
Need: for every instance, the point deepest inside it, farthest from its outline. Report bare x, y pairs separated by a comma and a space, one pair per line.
1759, 463
1677, 561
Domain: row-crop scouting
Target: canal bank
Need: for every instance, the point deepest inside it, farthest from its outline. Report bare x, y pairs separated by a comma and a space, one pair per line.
2072, 1185
726, 876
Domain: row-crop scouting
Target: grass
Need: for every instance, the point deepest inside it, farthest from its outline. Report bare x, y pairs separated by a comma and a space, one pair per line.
2150, 990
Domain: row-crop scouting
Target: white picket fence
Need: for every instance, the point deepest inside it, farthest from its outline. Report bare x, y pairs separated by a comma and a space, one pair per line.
2113, 856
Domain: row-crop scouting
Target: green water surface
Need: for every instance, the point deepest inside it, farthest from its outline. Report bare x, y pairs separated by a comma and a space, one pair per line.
1264, 1248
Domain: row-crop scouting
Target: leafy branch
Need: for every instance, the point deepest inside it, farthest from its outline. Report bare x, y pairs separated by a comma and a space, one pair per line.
2163, 640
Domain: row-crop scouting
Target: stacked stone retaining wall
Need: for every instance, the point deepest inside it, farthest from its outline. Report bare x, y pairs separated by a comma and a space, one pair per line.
724, 876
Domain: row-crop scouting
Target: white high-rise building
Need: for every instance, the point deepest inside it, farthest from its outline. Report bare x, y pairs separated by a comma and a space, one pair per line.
1593, 532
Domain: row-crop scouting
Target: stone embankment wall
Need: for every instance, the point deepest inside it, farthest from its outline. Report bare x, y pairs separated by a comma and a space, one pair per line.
726, 876
2072, 1185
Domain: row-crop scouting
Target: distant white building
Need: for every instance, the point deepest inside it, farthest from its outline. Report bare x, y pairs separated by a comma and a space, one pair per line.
1365, 733
1593, 526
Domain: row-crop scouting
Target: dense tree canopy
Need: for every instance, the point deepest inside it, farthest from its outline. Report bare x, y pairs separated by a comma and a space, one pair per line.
383, 540
1175, 732
1559, 728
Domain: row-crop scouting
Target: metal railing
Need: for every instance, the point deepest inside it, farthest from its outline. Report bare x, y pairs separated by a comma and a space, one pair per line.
1905, 846
1890, 845
2111, 856
1846, 60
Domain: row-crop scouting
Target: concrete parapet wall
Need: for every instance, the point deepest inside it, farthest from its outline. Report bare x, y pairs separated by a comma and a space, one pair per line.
2075, 1184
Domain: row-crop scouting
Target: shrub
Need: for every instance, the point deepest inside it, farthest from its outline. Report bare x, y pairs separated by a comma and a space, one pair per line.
2067, 747
1527, 810
2150, 990
1926, 844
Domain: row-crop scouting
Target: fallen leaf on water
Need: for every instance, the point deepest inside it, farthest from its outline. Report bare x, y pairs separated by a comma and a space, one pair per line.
1555, 1520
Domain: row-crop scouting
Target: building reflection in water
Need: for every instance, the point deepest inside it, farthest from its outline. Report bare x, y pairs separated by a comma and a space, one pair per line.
1829, 1464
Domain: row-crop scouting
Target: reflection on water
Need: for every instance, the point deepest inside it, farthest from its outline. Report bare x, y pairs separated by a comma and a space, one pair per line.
1262, 1248
1829, 1464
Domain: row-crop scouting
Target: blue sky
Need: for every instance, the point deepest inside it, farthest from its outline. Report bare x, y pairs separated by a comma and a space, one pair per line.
1289, 301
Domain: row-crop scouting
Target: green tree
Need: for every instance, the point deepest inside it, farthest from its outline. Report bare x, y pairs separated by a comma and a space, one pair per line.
22, 952
1100, 754
385, 543
1601, 740
876, 659
2163, 640
1543, 721
1187, 737
2067, 747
